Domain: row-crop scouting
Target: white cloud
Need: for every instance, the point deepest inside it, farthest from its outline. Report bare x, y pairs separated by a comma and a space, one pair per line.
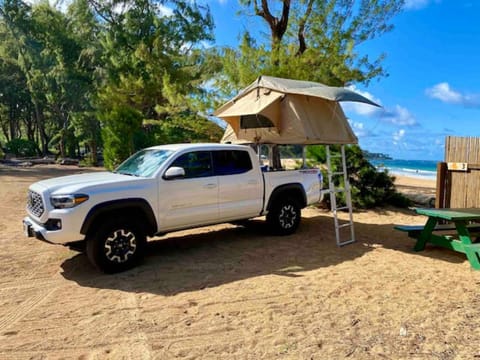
359, 129
163, 10
398, 135
60, 5
443, 92
398, 116
446, 94
418, 4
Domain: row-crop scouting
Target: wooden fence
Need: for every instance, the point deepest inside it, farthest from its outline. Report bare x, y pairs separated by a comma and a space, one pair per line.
458, 178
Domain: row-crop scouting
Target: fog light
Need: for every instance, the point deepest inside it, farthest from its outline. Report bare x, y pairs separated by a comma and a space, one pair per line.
53, 224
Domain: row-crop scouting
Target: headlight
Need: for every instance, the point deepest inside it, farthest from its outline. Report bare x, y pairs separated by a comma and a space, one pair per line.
67, 201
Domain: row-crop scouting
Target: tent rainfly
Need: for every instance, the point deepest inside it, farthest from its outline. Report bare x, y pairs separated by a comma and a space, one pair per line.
281, 111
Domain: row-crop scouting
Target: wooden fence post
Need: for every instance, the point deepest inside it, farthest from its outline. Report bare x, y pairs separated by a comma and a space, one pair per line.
441, 185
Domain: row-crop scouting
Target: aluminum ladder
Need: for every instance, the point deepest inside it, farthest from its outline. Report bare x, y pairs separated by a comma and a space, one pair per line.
343, 236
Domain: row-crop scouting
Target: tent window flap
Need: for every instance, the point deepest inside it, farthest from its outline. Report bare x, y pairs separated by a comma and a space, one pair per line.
255, 121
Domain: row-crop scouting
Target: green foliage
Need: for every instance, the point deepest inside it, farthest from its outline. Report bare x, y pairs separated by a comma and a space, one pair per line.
154, 67
62, 72
183, 128
21, 147
369, 187
2, 154
120, 126
310, 40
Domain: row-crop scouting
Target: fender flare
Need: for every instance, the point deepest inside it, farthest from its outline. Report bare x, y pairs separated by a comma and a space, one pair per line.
295, 188
138, 204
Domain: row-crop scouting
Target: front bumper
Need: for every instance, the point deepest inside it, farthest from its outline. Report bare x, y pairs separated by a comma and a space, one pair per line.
39, 231
32, 231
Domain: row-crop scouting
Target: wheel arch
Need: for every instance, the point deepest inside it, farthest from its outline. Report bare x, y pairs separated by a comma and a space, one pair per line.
137, 206
295, 191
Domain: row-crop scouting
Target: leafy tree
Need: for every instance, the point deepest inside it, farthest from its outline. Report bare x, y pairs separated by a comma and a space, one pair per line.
86, 30
153, 64
15, 109
315, 40
68, 77
52, 61
21, 29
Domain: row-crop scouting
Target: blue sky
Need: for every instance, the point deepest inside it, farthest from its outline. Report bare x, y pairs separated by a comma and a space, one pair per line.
433, 88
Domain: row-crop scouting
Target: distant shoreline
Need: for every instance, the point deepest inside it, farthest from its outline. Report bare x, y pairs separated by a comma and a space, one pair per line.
423, 169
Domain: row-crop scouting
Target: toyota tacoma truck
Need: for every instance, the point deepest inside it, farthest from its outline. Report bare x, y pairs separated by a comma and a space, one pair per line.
162, 189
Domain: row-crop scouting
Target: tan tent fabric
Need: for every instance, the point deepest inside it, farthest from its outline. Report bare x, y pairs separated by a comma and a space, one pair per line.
310, 88
303, 113
266, 103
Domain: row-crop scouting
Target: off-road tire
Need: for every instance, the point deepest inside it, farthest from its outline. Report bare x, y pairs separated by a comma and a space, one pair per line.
118, 244
284, 216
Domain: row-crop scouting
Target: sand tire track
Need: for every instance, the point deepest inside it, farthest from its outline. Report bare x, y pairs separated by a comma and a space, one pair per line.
25, 308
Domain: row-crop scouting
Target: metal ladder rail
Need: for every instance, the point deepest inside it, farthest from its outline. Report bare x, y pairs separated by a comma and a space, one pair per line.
333, 196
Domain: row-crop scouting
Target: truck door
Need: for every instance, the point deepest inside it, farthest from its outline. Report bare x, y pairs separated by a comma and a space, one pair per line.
240, 185
190, 200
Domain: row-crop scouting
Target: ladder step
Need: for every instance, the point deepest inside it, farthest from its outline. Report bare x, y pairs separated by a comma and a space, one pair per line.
342, 208
344, 226
346, 242
338, 173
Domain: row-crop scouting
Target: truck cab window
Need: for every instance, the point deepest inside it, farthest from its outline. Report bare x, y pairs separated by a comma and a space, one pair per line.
230, 162
196, 164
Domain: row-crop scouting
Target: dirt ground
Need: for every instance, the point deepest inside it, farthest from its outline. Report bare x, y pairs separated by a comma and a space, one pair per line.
226, 292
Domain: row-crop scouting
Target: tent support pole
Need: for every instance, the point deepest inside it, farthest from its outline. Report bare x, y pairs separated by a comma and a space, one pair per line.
304, 157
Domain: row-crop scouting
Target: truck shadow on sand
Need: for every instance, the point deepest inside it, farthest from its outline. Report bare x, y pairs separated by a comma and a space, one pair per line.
183, 262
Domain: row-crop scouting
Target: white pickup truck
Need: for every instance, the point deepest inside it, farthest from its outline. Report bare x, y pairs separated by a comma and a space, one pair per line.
162, 189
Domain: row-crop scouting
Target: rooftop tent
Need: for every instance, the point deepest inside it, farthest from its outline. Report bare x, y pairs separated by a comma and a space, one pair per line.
282, 111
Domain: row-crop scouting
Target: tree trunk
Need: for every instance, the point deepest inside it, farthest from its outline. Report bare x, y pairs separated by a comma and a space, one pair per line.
276, 160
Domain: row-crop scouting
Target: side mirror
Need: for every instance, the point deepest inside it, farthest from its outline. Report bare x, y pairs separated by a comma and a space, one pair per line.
174, 173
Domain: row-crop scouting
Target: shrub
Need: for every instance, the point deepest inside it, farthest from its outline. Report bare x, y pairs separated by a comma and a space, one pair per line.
369, 187
22, 147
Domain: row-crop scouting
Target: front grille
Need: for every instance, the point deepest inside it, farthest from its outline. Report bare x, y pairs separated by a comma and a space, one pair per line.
35, 203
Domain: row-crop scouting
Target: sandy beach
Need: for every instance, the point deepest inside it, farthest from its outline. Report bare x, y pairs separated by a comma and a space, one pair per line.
421, 191
227, 292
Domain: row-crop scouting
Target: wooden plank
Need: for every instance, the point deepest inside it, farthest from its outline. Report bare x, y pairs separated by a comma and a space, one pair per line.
439, 227
474, 197
441, 185
442, 241
450, 214
462, 189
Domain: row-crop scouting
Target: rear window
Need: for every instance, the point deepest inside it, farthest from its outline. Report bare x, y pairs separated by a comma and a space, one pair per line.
230, 162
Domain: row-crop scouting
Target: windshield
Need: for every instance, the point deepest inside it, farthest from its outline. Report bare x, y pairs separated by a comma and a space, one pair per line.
143, 163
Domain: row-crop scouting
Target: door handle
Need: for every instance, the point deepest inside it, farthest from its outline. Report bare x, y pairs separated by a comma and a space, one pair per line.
210, 186
252, 182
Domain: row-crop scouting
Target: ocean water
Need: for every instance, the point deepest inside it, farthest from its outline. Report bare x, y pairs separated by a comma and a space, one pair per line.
424, 169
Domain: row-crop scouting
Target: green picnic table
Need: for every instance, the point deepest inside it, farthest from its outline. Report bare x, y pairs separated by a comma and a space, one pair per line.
458, 235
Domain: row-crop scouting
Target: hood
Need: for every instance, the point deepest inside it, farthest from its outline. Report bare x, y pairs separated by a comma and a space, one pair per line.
75, 183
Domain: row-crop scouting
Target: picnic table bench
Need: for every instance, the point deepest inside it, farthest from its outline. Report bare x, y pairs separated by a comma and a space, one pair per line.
458, 235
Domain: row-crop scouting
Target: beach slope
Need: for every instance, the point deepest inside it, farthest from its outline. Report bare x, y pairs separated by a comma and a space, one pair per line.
227, 292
